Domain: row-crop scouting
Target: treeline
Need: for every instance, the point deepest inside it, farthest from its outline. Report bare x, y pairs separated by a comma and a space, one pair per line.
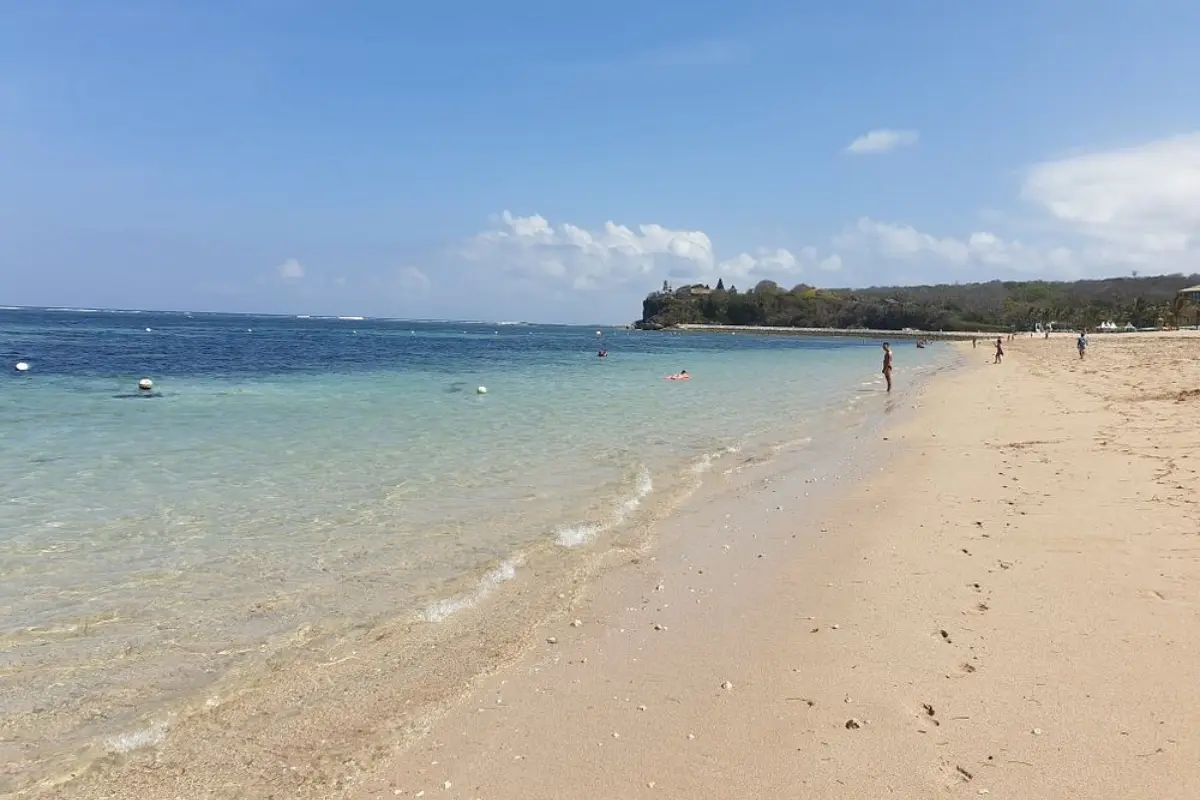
996, 306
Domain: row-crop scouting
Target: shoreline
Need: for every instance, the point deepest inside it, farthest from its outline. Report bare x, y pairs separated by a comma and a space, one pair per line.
875, 333
272, 707
995, 587
852, 333
1003, 604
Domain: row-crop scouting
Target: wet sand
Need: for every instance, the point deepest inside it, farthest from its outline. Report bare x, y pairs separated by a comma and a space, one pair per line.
1007, 606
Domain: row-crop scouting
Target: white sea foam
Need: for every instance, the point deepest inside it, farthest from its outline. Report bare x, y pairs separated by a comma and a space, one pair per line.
124, 743
705, 462
583, 533
643, 487
576, 535
452, 605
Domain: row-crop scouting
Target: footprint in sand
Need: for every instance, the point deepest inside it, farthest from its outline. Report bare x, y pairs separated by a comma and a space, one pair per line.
953, 775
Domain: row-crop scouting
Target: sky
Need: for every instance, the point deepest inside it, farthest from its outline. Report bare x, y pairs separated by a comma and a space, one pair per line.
554, 162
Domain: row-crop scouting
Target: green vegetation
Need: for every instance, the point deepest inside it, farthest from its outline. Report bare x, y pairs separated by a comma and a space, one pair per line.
996, 306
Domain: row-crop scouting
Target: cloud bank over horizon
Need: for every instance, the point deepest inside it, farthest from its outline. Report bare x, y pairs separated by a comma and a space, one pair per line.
1099, 214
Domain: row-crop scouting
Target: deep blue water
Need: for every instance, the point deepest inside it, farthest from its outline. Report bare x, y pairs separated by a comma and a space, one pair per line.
111, 344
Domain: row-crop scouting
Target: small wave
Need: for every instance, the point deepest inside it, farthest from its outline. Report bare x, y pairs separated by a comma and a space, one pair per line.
582, 533
790, 443
452, 605
773, 451
577, 535
643, 487
137, 740
705, 462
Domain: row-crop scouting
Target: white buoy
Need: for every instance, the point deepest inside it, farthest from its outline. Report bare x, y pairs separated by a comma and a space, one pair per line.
145, 384
149, 330
599, 333
21, 366
481, 390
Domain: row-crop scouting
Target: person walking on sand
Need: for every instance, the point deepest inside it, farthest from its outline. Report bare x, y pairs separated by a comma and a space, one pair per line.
1081, 344
887, 365
999, 350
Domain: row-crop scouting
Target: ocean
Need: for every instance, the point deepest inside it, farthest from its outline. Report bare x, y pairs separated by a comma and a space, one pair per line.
295, 483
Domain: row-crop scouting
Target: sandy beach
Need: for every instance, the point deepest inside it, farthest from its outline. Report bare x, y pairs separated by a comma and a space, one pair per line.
1004, 604
996, 596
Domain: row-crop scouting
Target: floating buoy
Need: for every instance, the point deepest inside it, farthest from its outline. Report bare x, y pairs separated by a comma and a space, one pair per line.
149, 330
480, 390
21, 366
145, 384
599, 333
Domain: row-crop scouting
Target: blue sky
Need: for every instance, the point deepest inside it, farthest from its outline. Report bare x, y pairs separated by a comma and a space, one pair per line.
555, 161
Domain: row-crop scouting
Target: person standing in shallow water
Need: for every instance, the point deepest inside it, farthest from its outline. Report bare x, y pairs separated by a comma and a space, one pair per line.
887, 365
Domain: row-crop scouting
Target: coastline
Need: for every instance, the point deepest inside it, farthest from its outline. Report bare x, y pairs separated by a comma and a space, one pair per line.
1022, 509
284, 708
854, 333
1004, 606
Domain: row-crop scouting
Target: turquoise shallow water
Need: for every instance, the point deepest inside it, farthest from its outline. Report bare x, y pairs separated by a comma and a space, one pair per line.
300, 473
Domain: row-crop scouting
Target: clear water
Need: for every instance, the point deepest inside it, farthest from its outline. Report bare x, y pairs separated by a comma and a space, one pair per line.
301, 474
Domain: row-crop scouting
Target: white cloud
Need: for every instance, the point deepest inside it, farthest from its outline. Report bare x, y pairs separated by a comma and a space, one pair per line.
615, 255
1139, 204
899, 241
412, 279
881, 141
1101, 213
976, 256
291, 270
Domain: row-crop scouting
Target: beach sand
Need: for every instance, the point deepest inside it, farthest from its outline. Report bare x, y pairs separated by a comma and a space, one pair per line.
1005, 605
999, 599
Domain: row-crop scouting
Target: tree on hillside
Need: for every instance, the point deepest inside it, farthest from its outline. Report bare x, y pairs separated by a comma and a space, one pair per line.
996, 305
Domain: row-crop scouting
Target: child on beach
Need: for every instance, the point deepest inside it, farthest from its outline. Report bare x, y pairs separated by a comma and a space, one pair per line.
887, 365
999, 350
1082, 344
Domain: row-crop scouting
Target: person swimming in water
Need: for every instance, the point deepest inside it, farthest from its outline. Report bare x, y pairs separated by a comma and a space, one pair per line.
682, 375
